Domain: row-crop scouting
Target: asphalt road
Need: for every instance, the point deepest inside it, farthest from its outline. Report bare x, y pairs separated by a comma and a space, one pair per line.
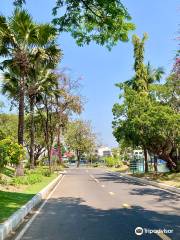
92, 204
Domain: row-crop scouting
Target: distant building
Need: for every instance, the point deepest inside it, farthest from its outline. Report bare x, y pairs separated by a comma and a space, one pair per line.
103, 151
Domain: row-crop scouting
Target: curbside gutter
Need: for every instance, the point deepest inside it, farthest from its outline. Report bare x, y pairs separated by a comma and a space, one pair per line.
17, 218
155, 184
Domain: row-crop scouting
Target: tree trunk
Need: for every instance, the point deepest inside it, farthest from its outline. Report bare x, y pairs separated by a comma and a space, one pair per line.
145, 160
19, 167
177, 160
47, 134
21, 114
164, 156
155, 164
59, 145
78, 158
37, 154
49, 158
32, 131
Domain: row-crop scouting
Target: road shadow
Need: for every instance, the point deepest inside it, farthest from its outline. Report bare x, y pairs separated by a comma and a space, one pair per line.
68, 218
162, 195
117, 179
139, 188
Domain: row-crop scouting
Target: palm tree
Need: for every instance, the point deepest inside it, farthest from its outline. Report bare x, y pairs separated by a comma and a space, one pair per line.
17, 35
31, 50
153, 75
36, 95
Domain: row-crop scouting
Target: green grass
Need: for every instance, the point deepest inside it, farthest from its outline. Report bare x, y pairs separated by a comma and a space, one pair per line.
8, 171
33, 189
11, 202
14, 197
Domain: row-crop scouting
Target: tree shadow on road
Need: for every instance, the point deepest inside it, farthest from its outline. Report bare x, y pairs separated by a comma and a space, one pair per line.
74, 219
141, 189
117, 179
162, 195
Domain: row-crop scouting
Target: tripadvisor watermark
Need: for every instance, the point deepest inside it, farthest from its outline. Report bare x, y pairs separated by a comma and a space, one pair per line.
140, 231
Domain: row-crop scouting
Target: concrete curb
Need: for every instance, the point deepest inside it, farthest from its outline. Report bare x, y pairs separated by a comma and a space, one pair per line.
155, 184
17, 218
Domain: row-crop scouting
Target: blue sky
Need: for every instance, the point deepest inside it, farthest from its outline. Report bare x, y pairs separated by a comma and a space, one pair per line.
100, 68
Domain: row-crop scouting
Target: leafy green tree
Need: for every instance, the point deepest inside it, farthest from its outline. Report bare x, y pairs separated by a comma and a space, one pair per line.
112, 161
141, 75
139, 82
10, 152
8, 126
79, 138
105, 22
141, 121
144, 118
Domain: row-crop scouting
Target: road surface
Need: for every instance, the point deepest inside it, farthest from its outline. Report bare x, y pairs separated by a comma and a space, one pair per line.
92, 204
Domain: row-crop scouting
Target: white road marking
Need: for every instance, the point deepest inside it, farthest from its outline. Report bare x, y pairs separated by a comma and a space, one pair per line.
87, 171
111, 193
96, 180
163, 236
28, 224
125, 205
102, 185
145, 184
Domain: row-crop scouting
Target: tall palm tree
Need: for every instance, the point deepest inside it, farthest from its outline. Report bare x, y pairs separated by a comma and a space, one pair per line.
17, 36
37, 95
31, 51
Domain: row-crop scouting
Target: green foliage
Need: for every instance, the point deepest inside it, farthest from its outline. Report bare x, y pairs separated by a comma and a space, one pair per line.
79, 137
10, 152
8, 126
148, 116
31, 177
95, 165
140, 80
116, 152
89, 20
19, 3
112, 161
26, 180
145, 118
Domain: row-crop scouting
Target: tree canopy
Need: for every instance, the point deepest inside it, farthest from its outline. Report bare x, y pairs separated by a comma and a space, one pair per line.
148, 116
104, 22
80, 138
